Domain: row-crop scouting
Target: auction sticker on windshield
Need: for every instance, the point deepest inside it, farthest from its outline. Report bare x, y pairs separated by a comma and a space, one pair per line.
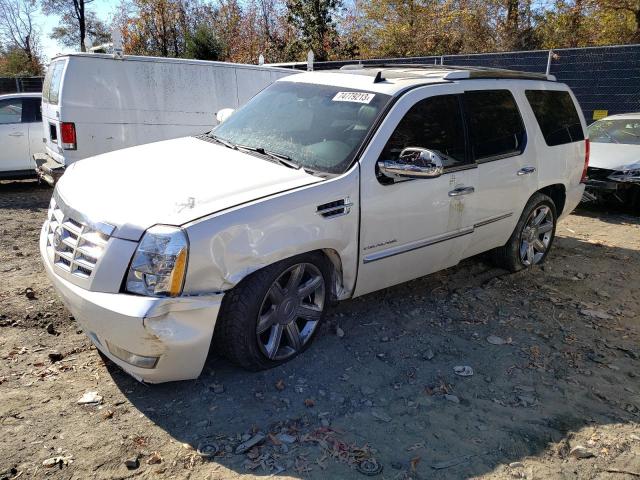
358, 97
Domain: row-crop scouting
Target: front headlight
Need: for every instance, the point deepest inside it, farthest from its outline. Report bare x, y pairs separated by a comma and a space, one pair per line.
160, 262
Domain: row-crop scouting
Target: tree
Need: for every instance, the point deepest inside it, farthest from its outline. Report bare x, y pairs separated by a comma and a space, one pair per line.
203, 44
628, 7
314, 21
15, 63
68, 34
155, 27
18, 32
77, 22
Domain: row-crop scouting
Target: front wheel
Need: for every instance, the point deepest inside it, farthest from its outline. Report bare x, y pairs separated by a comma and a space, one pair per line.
273, 315
533, 236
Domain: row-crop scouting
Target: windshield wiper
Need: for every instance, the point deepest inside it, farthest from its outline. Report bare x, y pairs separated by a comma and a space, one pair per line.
281, 158
223, 142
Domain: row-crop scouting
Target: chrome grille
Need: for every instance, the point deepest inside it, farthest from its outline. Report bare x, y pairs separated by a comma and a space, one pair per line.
77, 246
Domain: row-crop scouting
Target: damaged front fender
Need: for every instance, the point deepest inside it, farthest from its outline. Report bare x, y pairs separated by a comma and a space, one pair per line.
226, 247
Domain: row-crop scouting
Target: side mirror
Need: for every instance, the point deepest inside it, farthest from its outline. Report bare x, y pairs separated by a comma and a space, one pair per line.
414, 162
223, 114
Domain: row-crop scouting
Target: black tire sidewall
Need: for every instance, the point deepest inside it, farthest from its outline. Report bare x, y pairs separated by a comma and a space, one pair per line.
256, 286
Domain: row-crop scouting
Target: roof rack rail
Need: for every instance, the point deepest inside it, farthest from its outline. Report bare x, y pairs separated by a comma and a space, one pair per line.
457, 72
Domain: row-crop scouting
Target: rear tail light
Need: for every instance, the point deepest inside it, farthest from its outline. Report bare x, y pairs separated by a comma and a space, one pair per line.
68, 135
587, 149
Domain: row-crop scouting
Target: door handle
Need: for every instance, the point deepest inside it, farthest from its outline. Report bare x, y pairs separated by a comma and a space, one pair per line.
526, 171
456, 192
16, 134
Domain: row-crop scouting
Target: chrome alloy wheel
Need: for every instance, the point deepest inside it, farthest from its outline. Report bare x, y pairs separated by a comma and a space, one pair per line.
290, 311
535, 237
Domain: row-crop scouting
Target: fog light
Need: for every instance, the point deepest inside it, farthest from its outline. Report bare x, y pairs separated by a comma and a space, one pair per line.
131, 358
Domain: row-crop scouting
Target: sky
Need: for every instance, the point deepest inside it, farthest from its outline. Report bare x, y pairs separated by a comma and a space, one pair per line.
103, 8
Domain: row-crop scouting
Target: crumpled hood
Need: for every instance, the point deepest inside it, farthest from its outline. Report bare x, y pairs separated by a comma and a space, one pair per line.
170, 182
613, 156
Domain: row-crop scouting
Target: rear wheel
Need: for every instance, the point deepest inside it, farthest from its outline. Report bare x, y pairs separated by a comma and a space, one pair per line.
273, 315
533, 236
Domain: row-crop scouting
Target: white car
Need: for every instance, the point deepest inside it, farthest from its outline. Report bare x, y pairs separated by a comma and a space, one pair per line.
20, 134
614, 169
325, 186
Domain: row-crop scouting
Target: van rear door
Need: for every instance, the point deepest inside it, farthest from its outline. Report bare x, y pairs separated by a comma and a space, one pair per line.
51, 113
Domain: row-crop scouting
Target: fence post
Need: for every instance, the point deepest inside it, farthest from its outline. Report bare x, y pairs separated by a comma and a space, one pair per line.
17, 85
549, 61
310, 61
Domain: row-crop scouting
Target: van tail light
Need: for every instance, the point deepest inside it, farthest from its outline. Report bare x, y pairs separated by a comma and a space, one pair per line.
68, 135
587, 149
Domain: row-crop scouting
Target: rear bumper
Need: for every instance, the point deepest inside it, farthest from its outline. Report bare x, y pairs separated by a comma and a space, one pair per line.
176, 331
47, 168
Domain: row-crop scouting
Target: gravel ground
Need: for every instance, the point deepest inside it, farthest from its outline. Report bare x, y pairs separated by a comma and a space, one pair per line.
554, 391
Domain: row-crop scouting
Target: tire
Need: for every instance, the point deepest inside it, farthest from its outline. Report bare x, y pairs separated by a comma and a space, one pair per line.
510, 256
265, 305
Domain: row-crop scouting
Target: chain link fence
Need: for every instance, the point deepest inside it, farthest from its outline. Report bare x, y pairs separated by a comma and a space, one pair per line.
606, 80
20, 84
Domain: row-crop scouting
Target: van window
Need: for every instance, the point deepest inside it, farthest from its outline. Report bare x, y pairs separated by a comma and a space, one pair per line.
434, 123
496, 127
10, 111
52, 82
556, 115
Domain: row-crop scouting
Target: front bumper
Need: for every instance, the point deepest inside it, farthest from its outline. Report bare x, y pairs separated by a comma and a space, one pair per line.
177, 331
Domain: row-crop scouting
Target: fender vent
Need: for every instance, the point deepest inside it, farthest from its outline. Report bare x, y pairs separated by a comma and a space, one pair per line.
336, 208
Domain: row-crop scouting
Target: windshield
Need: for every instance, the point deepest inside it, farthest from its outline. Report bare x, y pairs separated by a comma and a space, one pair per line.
318, 127
615, 131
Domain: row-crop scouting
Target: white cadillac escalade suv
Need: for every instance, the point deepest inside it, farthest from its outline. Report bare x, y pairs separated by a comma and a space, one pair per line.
325, 186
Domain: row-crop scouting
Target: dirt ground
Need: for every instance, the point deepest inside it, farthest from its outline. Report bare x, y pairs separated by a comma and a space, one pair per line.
554, 352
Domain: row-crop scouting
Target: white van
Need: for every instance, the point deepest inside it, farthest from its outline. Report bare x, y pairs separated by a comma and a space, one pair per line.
97, 103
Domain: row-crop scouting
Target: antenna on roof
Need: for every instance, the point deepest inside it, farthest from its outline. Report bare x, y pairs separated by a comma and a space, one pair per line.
378, 78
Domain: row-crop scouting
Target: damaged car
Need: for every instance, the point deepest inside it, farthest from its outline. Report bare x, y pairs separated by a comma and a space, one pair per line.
614, 169
325, 186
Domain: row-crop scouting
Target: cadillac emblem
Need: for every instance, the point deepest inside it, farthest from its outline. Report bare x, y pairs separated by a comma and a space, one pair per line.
57, 237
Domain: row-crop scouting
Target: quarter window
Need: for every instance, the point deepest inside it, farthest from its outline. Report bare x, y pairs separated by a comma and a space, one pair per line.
434, 123
496, 127
11, 111
556, 115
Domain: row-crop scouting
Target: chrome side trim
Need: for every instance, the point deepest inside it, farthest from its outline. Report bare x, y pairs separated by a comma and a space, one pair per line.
409, 247
101, 227
493, 219
390, 252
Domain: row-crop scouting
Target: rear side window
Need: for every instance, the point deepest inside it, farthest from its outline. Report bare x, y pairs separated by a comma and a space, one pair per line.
10, 111
495, 124
52, 82
556, 115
